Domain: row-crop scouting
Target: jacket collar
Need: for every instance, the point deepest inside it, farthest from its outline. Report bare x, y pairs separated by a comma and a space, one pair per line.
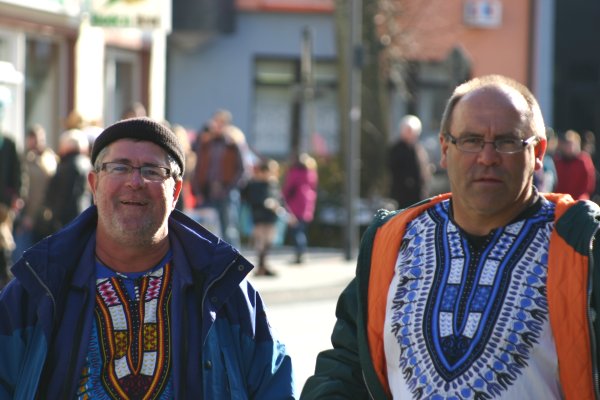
54, 261
203, 252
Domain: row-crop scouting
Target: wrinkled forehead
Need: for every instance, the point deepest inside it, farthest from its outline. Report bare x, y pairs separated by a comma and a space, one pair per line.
510, 99
128, 148
491, 108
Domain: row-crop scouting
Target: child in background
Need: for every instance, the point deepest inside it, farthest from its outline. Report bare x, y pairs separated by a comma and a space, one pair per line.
300, 195
263, 194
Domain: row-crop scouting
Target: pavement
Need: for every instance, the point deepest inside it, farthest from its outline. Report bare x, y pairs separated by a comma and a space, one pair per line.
323, 275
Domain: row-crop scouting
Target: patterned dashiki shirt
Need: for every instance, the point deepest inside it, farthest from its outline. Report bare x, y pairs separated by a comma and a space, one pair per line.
467, 317
129, 351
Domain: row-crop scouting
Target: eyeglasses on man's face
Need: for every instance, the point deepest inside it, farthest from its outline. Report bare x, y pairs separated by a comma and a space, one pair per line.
504, 145
153, 173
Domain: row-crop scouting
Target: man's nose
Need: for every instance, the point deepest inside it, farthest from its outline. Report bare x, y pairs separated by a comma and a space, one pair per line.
136, 177
488, 154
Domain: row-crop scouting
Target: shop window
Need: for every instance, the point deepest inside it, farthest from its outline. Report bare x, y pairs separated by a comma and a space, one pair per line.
42, 85
281, 108
123, 75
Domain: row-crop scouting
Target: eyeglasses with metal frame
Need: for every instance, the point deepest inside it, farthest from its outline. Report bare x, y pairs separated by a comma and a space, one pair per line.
504, 145
152, 173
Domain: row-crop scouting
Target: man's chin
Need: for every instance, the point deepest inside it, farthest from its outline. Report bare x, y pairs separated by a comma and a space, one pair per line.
135, 233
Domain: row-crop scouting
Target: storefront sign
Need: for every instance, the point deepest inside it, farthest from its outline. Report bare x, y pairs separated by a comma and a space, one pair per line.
140, 14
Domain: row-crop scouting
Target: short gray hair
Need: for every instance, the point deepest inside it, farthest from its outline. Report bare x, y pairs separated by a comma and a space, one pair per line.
534, 115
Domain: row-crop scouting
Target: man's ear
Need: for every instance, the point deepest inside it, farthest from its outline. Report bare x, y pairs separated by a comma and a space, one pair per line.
92, 177
177, 191
539, 152
443, 150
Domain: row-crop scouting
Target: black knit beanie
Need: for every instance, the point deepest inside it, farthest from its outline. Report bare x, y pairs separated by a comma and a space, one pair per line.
142, 129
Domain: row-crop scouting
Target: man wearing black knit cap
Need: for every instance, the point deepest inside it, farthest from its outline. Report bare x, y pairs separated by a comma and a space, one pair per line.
133, 299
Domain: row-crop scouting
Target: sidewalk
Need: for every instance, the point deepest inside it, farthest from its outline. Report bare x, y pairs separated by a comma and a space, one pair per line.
323, 275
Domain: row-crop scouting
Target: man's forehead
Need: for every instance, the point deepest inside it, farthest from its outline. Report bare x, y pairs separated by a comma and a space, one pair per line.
502, 108
131, 146
498, 94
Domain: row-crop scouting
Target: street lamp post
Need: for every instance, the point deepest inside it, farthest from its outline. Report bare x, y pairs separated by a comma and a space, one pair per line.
308, 87
354, 114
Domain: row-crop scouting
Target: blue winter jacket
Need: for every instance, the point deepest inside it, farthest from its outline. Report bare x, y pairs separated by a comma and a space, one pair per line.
222, 343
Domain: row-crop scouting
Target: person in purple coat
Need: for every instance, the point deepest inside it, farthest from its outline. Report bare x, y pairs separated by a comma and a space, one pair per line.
300, 195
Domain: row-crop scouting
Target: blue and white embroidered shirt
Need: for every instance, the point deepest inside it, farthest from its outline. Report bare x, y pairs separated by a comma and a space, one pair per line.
469, 320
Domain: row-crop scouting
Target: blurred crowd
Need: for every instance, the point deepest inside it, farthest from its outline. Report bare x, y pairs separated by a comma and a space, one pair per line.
233, 190
241, 195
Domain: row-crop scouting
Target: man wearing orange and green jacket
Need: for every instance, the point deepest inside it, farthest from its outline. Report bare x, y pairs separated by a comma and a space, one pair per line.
483, 293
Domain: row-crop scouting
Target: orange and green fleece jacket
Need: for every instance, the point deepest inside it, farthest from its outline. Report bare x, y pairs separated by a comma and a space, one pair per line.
355, 367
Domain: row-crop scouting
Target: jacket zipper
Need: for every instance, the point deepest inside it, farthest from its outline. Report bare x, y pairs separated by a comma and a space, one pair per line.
52, 300
204, 295
211, 284
71, 375
184, 361
46, 289
590, 311
54, 318
367, 386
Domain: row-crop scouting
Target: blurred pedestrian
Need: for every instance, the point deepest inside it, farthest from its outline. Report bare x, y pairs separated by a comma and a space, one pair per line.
589, 143
7, 244
74, 120
263, 195
67, 194
10, 198
40, 163
185, 200
574, 168
10, 192
300, 195
408, 164
134, 110
249, 157
589, 146
219, 174
91, 129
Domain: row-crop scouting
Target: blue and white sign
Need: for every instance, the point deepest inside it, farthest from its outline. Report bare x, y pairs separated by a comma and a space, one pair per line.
482, 13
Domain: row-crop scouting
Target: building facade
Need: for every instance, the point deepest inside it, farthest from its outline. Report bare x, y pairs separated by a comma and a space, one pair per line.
255, 68
449, 42
65, 61
255, 71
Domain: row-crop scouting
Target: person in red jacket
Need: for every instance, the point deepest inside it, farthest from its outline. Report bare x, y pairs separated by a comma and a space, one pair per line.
574, 168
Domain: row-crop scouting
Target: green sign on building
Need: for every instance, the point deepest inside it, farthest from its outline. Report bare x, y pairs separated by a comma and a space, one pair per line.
141, 14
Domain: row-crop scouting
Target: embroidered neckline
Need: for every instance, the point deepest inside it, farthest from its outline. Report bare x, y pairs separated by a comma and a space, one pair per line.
133, 276
133, 336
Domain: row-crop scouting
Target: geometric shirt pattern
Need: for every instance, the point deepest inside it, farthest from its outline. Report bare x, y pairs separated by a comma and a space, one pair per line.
130, 348
465, 318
